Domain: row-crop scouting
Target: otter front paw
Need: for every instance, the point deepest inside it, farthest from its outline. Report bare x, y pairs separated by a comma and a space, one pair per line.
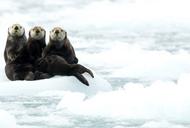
12, 57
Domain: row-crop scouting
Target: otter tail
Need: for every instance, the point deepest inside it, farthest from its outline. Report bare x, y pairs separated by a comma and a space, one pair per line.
81, 78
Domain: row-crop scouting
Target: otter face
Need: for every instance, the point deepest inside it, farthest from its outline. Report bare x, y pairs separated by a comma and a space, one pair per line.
16, 30
37, 33
58, 34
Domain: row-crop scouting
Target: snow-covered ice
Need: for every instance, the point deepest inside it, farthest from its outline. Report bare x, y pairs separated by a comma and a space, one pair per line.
138, 49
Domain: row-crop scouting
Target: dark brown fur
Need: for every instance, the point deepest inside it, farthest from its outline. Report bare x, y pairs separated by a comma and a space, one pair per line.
16, 71
56, 65
62, 48
17, 59
35, 47
23, 69
13, 47
20, 68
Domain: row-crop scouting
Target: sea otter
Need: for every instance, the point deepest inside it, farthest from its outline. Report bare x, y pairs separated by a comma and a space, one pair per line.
36, 42
16, 41
18, 65
16, 71
59, 44
56, 65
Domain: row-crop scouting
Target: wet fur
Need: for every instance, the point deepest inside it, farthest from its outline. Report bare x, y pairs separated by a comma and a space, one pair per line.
13, 47
56, 65
17, 59
62, 48
20, 68
35, 47
16, 71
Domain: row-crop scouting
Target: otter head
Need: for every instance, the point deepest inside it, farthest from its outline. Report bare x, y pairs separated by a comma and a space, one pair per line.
16, 30
58, 34
37, 33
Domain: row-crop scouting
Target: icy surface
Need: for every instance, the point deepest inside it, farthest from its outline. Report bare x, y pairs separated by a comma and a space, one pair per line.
19, 88
139, 47
7, 120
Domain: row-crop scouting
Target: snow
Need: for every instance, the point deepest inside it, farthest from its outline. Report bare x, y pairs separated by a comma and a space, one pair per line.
59, 83
163, 100
140, 46
7, 120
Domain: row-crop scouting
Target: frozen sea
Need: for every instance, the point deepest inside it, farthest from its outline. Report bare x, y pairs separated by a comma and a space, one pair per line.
139, 47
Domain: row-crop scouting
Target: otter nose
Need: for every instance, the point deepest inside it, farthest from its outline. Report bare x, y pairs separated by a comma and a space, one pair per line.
16, 28
37, 31
57, 31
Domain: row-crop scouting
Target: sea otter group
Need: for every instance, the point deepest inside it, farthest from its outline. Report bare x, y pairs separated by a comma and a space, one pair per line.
31, 59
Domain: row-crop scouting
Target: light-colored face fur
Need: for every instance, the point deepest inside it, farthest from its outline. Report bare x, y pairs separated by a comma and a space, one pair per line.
16, 30
37, 32
57, 33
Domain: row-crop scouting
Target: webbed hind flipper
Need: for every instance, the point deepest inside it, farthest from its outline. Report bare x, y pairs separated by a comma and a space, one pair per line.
90, 72
81, 78
81, 69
